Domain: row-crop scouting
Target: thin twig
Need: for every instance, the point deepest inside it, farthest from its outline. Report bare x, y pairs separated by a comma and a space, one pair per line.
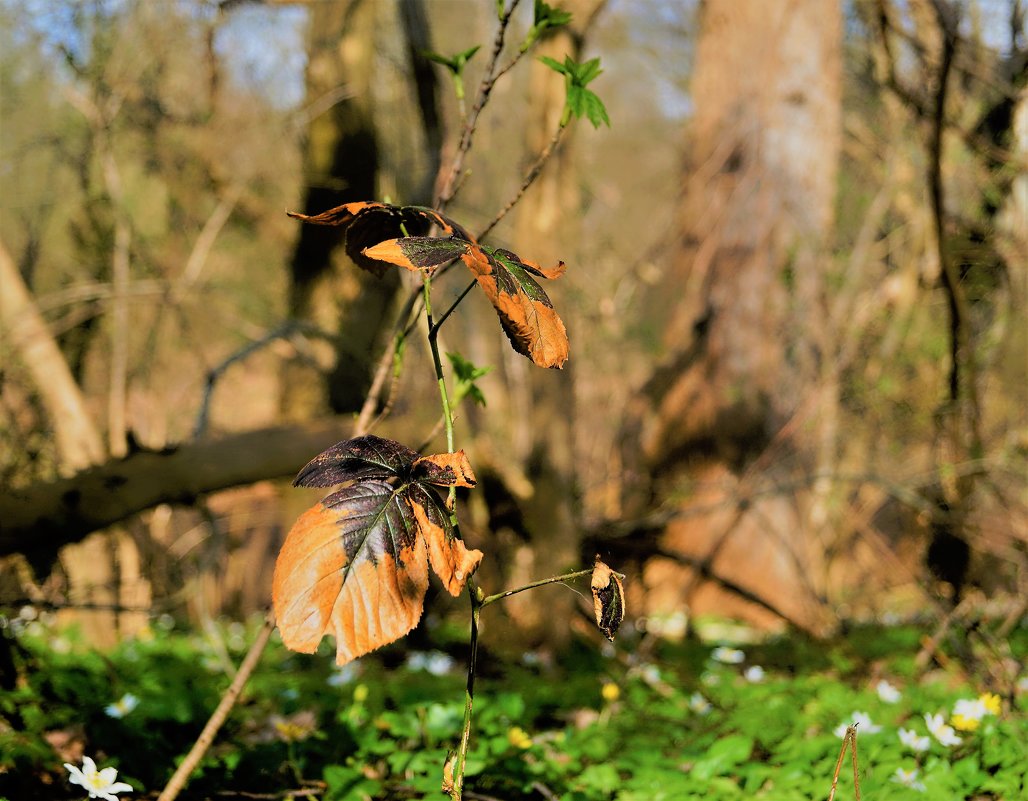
541, 583
851, 735
282, 331
529, 179
853, 753
228, 700
447, 188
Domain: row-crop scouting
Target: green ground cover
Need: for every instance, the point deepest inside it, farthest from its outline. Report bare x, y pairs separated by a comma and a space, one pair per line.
670, 722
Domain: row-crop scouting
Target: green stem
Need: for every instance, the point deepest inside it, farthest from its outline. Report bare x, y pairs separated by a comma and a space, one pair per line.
490, 599
433, 343
475, 594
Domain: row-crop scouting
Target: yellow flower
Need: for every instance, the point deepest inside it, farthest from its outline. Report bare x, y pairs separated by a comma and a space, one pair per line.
519, 738
965, 723
610, 692
360, 693
990, 701
296, 727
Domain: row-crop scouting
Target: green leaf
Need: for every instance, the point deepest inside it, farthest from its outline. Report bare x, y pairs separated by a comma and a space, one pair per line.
594, 109
467, 373
546, 15
581, 102
454, 63
554, 64
723, 756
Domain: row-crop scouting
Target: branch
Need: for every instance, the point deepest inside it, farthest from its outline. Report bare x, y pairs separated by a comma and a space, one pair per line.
39, 519
228, 700
448, 187
78, 441
962, 382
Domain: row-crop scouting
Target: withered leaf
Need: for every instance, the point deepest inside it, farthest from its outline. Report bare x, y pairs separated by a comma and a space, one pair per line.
418, 252
366, 223
608, 599
356, 564
525, 311
379, 234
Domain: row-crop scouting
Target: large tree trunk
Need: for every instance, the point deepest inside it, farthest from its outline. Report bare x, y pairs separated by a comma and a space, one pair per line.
743, 302
541, 403
341, 163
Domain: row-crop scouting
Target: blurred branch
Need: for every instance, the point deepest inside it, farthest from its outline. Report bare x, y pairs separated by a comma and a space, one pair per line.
418, 42
962, 388
228, 700
39, 519
207, 236
448, 186
283, 331
78, 440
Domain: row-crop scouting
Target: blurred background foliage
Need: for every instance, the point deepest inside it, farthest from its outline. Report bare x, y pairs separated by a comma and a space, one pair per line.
796, 300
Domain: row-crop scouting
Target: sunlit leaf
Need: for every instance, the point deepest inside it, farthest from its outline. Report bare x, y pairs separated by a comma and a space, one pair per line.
356, 564
367, 223
608, 599
526, 313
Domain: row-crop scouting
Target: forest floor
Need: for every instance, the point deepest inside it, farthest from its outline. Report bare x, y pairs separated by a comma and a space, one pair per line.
648, 721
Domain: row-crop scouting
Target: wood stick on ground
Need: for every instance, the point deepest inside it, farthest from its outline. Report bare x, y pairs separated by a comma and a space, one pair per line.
228, 700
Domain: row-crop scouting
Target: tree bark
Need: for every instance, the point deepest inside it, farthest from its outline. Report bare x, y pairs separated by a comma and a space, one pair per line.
78, 442
39, 519
341, 162
743, 298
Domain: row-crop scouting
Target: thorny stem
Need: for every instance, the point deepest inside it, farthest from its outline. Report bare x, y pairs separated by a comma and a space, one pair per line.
475, 595
433, 342
530, 176
446, 191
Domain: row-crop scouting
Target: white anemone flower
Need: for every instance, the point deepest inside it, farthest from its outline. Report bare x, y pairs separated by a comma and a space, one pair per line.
727, 656
699, 704
887, 692
122, 706
939, 729
863, 723
754, 674
435, 662
914, 741
908, 778
98, 783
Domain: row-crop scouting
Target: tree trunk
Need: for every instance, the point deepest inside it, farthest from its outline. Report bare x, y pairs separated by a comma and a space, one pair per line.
543, 444
742, 298
340, 166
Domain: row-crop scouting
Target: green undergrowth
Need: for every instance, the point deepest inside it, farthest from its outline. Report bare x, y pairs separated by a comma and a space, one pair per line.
673, 722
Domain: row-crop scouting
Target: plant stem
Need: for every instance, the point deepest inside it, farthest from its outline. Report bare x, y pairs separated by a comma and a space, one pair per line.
453, 306
475, 594
433, 343
542, 582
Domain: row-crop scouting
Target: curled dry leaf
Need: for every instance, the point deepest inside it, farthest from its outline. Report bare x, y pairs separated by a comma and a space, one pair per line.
608, 599
366, 223
525, 311
356, 564
379, 234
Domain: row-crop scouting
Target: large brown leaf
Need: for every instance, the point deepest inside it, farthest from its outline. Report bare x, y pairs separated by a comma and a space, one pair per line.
356, 565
